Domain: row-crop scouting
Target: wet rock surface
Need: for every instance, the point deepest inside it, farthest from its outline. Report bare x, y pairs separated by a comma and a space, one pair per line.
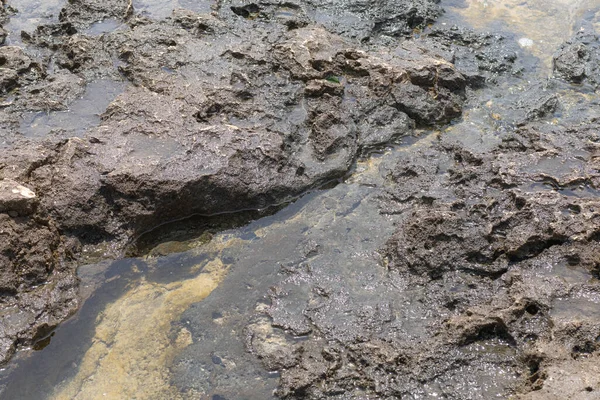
210, 122
453, 272
470, 300
185, 133
37, 288
578, 60
478, 275
480, 57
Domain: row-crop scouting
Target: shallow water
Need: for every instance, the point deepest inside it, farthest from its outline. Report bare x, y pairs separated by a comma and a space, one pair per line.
159, 9
539, 26
168, 325
106, 26
123, 345
30, 14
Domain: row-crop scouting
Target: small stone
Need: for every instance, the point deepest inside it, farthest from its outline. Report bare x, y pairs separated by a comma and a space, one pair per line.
525, 42
16, 198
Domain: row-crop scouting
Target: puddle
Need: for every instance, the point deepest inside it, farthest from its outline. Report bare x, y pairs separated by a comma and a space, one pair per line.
570, 274
151, 331
579, 191
83, 113
30, 14
582, 308
124, 333
102, 27
183, 235
135, 342
160, 9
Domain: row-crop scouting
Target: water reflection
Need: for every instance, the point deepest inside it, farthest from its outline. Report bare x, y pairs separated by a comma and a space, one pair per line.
29, 15
541, 26
159, 9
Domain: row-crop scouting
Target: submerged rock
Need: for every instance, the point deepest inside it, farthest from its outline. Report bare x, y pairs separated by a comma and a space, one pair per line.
83, 13
481, 57
356, 19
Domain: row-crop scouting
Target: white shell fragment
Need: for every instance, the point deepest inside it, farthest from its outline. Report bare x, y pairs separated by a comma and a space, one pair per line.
525, 42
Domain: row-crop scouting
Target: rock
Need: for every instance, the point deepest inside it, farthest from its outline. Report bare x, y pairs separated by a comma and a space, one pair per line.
578, 60
14, 58
542, 107
176, 146
492, 267
358, 20
257, 103
207, 123
17, 198
3, 35
8, 79
38, 288
480, 57
83, 13
57, 91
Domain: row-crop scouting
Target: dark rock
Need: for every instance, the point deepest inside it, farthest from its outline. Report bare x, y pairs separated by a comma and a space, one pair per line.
83, 13
474, 278
54, 93
213, 150
541, 107
209, 123
8, 79
14, 58
480, 57
3, 35
360, 20
37, 289
578, 60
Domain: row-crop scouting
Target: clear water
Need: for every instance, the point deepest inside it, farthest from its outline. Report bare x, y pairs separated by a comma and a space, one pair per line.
29, 15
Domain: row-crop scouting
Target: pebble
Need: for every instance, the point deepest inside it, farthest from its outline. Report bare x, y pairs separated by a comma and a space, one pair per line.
525, 42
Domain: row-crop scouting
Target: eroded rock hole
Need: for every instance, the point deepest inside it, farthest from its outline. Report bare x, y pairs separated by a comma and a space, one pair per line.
247, 11
532, 309
181, 235
583, 349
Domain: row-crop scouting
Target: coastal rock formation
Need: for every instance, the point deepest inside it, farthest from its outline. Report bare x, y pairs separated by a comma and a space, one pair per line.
208, 122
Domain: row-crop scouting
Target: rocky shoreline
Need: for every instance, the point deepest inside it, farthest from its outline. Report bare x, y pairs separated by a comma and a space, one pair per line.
251, 104
208, 124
